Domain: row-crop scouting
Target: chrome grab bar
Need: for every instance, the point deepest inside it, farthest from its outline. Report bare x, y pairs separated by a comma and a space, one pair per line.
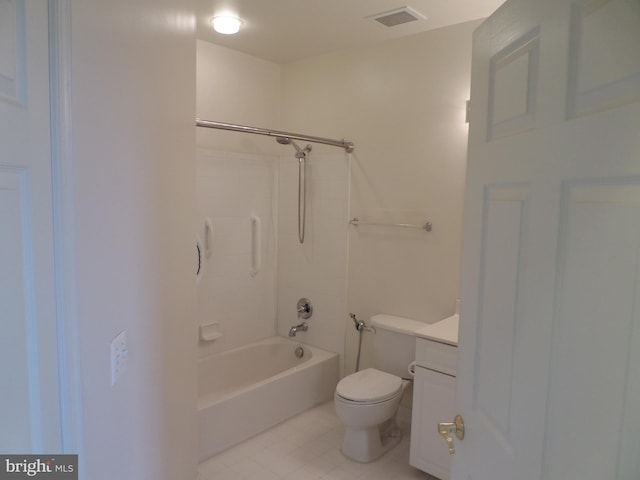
355, 221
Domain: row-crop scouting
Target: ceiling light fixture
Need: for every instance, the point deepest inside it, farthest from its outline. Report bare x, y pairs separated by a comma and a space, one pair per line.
226, 24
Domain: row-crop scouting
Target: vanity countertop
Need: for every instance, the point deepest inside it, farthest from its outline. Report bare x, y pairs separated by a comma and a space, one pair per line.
444, 331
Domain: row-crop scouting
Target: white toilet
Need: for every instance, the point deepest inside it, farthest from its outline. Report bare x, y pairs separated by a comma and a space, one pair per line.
367, 401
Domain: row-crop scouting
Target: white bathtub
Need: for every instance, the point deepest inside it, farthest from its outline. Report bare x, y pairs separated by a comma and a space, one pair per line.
249, 389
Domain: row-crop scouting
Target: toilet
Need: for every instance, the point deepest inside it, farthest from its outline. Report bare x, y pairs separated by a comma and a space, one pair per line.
367, 401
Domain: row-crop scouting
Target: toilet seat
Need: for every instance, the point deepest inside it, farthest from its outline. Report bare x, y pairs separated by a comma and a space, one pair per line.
369, 386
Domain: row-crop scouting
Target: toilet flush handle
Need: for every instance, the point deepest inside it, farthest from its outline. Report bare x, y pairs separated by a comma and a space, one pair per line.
456, 428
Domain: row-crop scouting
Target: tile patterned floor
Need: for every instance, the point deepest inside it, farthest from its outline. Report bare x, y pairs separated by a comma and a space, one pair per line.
303, 448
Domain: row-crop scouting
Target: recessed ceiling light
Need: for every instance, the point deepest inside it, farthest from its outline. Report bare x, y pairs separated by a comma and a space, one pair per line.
226, 24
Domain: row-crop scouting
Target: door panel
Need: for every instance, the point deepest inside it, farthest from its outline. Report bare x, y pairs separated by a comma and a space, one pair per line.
15, 287
513, 86
13, 47
592, 387
598, 79
501, 260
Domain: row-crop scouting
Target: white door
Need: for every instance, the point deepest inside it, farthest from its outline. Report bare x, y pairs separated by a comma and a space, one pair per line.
549, 367
29, 401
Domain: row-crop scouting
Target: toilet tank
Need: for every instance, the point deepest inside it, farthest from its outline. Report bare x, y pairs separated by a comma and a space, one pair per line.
394, 343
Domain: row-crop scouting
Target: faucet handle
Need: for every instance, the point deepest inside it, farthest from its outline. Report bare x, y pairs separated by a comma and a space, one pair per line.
305, 309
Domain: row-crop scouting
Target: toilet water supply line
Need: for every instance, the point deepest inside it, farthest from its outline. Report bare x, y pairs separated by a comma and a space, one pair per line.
360, 327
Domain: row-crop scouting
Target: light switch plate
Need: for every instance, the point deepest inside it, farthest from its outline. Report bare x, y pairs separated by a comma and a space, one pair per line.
119, 354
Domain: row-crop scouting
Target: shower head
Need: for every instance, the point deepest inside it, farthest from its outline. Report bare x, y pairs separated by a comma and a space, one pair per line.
288, 141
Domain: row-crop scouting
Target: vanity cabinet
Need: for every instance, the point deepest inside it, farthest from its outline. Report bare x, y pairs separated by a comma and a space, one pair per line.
433, 398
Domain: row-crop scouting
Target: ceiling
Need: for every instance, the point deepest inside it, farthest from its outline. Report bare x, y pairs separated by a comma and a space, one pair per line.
284, 31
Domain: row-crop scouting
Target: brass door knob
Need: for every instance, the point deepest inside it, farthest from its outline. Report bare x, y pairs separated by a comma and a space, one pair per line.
448, 429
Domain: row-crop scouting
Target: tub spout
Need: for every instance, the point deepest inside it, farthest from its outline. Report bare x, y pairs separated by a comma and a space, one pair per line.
303, 327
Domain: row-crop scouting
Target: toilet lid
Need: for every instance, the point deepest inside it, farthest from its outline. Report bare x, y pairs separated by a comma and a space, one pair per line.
369, 386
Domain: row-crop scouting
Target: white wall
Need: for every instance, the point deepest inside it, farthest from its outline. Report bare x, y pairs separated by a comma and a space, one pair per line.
234, 87
402, 103
133, 153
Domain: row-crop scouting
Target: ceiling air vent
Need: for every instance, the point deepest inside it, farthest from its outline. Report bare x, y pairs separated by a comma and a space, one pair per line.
396, 17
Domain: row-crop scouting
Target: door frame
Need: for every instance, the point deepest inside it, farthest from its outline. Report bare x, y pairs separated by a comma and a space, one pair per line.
63, 200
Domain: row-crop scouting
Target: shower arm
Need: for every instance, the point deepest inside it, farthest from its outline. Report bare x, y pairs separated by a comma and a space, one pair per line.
348, 146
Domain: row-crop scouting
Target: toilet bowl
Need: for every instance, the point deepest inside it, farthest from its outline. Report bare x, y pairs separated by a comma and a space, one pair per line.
367, 403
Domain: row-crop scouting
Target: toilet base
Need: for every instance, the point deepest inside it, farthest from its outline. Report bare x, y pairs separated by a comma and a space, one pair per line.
365, 445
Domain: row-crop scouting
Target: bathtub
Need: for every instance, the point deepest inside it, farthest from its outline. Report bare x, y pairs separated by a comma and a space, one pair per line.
251, 388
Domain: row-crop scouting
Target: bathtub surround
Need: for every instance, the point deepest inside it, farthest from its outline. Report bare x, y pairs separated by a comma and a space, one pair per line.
231, 189
315, 269
237, 88
248, 308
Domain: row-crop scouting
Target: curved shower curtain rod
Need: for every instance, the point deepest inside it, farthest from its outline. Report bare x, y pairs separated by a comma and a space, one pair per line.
348, 146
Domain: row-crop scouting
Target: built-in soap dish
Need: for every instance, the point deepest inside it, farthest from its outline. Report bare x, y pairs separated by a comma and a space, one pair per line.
210, 332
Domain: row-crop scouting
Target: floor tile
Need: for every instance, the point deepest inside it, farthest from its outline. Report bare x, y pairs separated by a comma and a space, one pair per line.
306, 447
